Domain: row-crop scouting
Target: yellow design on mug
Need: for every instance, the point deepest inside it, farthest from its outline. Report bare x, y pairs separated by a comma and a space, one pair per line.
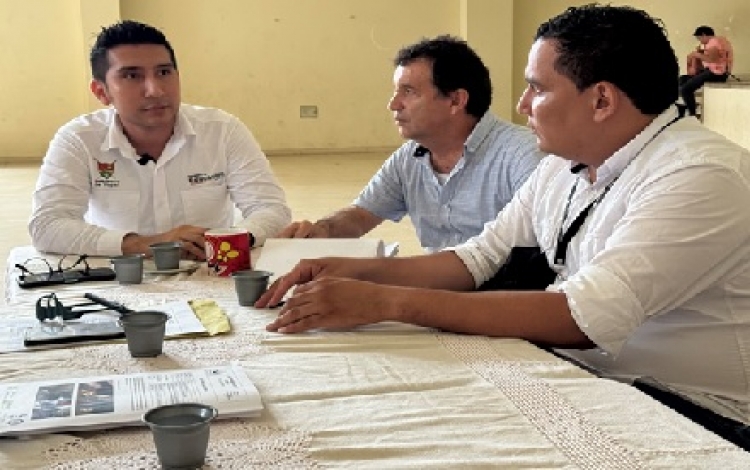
226, 252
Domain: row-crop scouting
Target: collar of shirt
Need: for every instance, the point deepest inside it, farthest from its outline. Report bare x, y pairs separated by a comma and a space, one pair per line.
479, 134
116, 138
615, 164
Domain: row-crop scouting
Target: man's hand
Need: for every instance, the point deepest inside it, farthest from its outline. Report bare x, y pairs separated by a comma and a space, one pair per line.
304, 229
309, 270
304, 272
192, 239
333, 303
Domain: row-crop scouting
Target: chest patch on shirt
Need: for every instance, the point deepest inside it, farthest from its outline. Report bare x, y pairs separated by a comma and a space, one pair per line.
106, 174
201, 178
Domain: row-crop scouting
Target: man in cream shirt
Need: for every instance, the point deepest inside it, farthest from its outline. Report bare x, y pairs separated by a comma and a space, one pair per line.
148, 168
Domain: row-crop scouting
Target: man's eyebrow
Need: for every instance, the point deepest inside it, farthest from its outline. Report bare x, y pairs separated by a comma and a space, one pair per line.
129, 68
137, 68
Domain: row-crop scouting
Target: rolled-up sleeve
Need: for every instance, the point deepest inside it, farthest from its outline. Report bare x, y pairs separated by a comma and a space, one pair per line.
646, 266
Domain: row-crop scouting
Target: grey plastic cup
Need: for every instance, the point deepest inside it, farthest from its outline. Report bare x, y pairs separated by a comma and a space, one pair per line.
166, 255
181, 433
128, 268
144, 332
250, 284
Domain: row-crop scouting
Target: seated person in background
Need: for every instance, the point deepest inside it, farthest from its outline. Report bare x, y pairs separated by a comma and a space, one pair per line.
710, 62
655, 285
149, 169
462, 164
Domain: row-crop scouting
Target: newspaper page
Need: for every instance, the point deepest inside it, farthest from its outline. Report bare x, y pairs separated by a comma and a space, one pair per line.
121, 400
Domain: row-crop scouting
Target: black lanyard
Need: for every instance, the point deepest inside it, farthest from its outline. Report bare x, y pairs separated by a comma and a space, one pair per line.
564, 238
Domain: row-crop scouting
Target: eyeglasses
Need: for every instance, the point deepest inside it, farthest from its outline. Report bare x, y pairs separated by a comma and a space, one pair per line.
31, 266
38, 272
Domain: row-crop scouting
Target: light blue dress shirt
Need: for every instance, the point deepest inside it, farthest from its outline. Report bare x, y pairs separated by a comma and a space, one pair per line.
498, 158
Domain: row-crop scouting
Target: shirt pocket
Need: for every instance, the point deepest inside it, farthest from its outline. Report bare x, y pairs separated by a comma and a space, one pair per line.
115, 209
206, 206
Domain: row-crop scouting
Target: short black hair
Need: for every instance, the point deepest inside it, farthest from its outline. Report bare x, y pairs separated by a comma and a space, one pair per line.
124, 33
454, 66
604, 43
703, 31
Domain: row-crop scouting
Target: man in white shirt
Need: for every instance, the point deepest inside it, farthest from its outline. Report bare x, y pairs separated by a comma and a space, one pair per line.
149, 169
655, 285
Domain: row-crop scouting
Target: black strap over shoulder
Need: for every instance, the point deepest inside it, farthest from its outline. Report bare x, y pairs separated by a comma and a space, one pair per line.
525, 269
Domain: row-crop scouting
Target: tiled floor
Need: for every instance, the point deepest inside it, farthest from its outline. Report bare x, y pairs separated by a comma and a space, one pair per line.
315, 186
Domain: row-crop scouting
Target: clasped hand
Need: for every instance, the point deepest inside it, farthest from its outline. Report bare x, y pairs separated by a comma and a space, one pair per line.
190, 237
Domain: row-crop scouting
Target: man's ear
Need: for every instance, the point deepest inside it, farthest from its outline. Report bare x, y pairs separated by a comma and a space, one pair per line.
99, 89
459, 100
605, 100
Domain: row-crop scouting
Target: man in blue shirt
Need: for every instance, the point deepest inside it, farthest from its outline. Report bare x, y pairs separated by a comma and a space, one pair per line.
461, 164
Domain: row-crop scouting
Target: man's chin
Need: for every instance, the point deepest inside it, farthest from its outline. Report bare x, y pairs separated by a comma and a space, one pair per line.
404, 133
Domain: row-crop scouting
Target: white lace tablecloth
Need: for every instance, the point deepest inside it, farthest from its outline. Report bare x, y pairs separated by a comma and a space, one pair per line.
385, 396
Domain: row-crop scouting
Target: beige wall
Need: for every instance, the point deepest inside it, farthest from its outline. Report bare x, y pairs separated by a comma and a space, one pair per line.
725, 110
41, 82
488, 26
262, 59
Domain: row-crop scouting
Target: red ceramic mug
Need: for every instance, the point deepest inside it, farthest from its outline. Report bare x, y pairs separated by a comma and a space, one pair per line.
227, 251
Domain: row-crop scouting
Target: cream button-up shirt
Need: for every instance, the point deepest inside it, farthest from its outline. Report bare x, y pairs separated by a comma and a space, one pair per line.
659, 275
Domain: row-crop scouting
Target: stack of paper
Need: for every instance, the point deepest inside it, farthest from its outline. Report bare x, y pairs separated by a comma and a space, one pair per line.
280, 255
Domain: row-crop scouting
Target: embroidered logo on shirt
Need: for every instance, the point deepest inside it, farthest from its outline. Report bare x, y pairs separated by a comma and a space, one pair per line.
106, 172
200, 178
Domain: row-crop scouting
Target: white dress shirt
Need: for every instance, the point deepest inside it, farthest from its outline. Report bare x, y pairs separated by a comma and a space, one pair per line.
92, 190
659, 275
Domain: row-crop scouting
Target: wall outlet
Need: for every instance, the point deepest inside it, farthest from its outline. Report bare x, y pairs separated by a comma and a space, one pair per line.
308, 111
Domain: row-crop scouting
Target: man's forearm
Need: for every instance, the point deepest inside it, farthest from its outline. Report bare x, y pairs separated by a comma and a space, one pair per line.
538, 316
352, 222
443, 270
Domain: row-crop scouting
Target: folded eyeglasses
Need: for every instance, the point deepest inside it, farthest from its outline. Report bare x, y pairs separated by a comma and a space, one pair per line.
60, 275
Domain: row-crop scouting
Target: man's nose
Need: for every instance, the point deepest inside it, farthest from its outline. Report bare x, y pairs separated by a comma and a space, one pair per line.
523, 103
154, 87
394, 104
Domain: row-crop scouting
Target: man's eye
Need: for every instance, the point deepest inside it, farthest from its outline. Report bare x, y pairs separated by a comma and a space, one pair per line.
130, 76
165, 72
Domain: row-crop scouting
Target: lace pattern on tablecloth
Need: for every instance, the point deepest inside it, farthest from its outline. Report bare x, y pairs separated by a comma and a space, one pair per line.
583, 442
114, 358
233, 445
195, 353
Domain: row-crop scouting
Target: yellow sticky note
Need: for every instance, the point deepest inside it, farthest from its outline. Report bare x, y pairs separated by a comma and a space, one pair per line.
211, 316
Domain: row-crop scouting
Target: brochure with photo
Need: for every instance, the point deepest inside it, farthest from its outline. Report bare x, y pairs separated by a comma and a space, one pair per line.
120, 400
